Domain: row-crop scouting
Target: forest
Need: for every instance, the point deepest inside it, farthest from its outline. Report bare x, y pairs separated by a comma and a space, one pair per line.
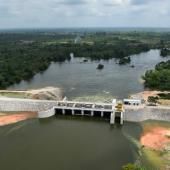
24, 54
159, 78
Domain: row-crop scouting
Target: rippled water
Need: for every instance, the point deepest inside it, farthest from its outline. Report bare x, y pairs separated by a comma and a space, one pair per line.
67, 143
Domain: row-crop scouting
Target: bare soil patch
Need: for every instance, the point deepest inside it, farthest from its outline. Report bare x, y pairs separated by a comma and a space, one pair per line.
17, 117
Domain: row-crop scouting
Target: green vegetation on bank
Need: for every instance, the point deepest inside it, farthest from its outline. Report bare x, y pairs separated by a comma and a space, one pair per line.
159, 78
160, 96
24, 54
124, 60
165, 96
165, 52
132, 167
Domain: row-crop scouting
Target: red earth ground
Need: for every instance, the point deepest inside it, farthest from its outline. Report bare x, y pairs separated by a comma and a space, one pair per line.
14, 118
156, 137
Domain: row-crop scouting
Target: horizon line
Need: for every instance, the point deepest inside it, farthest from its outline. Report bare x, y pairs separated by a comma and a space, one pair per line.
77, 27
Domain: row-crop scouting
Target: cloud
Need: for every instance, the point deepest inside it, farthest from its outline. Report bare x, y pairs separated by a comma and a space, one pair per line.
139, 2
70, 13
71, 2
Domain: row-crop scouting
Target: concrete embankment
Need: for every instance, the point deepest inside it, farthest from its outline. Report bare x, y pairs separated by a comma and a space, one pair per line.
24, 105
22, 109
45, 107
147, 113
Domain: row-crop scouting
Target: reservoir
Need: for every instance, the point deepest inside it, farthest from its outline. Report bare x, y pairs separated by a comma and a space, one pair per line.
77, 143
84, 81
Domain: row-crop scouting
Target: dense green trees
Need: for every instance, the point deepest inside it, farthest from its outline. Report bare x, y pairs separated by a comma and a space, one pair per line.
158, 78
165, 96
125, 60
21, 62
165, 52
105, 51
152, 99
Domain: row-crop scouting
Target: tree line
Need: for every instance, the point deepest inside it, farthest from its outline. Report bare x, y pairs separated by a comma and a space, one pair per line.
159, 78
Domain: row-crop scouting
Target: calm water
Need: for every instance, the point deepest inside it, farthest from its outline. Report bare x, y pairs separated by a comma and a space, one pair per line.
67, 144
82, 79
77, 144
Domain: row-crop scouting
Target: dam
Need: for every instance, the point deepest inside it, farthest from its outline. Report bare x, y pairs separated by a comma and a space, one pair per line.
45, 108
113, 111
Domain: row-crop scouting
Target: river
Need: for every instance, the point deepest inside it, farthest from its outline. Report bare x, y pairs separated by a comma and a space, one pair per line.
72, 143
83, 80
66, 143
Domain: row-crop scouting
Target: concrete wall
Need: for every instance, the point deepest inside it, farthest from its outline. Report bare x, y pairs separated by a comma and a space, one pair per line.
45, 109
17, 105
147, 114
47, 113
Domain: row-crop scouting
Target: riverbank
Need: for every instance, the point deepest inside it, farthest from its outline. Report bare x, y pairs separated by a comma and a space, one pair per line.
46, 93
152, 93
155, 141
10, 118
156, 138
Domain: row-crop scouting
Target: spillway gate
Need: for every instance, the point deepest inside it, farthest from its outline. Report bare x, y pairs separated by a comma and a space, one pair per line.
113, 111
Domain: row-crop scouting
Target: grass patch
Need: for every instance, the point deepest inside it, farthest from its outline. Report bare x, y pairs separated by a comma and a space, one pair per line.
165, 96
14, 94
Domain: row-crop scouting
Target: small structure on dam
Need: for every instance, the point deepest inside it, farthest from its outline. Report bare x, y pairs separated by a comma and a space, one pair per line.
113, 111
136, 102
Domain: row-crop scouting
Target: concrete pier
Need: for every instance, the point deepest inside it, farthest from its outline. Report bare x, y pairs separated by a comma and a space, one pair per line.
112, 118
121, 118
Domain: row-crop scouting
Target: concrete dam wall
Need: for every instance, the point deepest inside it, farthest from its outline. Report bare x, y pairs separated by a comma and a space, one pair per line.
131, 115
19, 105
147, 113
46, 108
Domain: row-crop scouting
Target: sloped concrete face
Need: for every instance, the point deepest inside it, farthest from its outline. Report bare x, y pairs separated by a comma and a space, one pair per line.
19, 105
46, 114
147, 114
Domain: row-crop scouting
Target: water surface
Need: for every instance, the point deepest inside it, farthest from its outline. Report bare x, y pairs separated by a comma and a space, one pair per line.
82, 79
67, 143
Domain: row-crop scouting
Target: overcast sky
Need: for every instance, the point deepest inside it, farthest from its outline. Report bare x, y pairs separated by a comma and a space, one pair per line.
84, 13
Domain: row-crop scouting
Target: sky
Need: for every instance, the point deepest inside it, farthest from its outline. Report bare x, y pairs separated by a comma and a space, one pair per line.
84, 13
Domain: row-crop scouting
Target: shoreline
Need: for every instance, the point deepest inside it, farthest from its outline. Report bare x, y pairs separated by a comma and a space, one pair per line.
155, 144
144, 95
156, 138
46, 93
